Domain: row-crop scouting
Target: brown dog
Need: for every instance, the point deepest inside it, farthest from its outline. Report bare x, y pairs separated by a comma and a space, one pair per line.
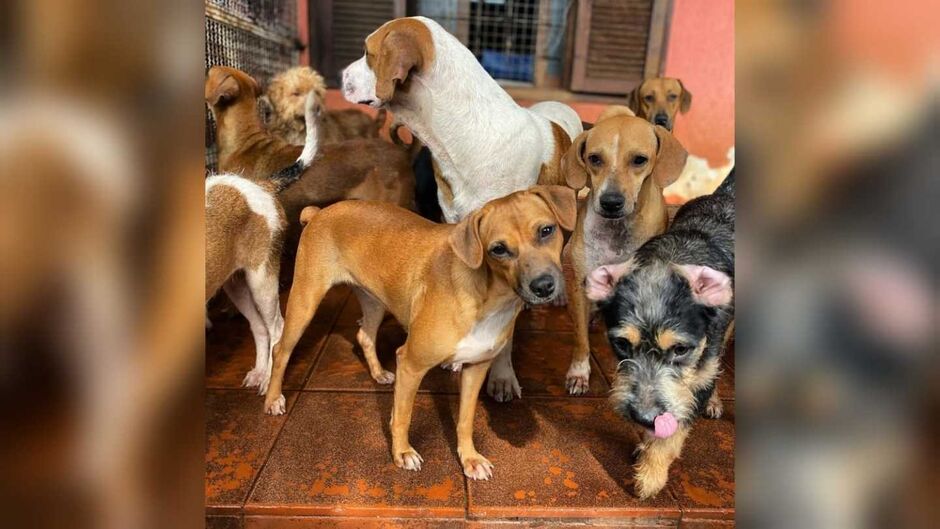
625, 162
285, 97
456, 288
367, 169
659, 100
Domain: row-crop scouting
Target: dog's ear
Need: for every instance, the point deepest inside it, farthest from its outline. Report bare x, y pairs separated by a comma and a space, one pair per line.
572, 163
601, 283
670, 158
615, 110
633, 99
563, 201
399, 55
221, 88
465, 240
685, 101
709, 286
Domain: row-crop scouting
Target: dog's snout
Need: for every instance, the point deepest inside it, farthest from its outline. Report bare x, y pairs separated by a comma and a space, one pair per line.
645, 418
543, 286
612, 202
661, 119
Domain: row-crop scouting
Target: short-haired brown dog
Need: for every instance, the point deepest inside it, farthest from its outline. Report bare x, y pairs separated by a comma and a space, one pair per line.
625, 162
367, 169
659, 100
285, 96
456, 288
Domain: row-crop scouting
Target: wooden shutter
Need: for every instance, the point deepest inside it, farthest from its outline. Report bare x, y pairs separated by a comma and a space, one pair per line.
617, 43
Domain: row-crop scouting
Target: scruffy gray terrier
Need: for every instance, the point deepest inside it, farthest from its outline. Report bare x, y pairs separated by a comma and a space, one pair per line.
668, 311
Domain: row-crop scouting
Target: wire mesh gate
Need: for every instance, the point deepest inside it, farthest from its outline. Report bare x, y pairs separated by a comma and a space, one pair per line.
258, 37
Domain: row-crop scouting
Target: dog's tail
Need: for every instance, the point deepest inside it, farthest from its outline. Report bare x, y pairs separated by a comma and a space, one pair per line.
287, 176
412, 149
307, 214
727, 185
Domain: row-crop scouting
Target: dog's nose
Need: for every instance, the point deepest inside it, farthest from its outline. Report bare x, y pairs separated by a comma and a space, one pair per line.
543, 286
661, 119
612, 202
645, 418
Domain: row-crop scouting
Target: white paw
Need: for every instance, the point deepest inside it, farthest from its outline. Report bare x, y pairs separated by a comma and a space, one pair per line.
456, 367
477, 467
258, 378
714, 408
385, 377
503, 386
577, 381
276, 407
410, 459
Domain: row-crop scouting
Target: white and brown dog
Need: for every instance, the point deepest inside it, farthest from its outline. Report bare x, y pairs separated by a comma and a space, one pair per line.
245, 226
484, 145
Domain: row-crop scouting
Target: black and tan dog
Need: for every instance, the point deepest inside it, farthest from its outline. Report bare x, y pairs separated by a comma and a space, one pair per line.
668, 310
457, 289
659, 100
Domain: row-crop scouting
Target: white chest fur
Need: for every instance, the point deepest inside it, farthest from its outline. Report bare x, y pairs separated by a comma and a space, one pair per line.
486, 337
606, 241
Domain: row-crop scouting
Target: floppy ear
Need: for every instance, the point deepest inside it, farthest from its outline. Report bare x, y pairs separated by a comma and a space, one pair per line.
398, 56
685, 102
709, 286
572, 163
221, 89
465, 240
670, 157
633, 99
600, 284
563, 201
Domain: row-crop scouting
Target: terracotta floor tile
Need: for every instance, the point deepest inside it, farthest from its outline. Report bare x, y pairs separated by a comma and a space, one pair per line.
555, 524
321, 522
541, 360
544, 318
230, 346
342, 366
703, 478
706, 524
238, 439
560, 458
332, 458
224, 522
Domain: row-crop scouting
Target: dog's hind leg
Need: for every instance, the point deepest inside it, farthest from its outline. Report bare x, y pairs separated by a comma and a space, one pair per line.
237, 289
372, 312
263, 284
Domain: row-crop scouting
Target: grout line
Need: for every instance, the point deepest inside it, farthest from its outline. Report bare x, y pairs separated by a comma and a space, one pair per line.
267, 457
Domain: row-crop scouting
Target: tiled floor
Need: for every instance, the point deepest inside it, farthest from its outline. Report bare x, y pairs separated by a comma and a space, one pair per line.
560, 461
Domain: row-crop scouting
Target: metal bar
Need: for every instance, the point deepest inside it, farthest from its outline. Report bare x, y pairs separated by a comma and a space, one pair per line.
217, 14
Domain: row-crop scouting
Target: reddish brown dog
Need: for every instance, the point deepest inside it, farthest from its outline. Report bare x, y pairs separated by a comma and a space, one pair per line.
456, 288
659, 100
367, 169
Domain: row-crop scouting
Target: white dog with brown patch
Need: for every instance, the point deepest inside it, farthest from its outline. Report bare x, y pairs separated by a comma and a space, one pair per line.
484, 145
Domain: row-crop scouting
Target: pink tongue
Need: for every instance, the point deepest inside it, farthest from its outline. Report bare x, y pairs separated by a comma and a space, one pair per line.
665, 425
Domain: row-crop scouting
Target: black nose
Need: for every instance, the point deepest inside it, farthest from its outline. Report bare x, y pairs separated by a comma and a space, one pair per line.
644, 418
612, 202
661, 119
543, 286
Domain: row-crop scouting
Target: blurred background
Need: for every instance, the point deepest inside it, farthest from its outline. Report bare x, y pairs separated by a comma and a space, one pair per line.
101, 249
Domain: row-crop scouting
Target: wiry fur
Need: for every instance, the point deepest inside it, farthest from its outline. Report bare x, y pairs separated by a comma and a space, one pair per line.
285, 95
652, 308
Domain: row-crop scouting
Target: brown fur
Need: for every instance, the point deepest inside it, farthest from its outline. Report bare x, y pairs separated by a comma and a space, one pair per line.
662, 94
616, 137
286, 94
438, 280
368, 169
552, 173
394, 50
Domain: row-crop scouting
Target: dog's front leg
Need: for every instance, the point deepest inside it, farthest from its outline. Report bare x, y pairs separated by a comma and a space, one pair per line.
475, 466
655, 456
577, 380
503, 385
407, 380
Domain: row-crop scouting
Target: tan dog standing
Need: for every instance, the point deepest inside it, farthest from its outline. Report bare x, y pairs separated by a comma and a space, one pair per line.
457, 289
366, 169
625, 162
659, 100
285, 97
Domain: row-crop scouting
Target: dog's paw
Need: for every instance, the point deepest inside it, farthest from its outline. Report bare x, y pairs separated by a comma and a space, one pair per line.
503, 387
477, 467
385, 377
648, 484
714, 408
276, 406
257, 378
408, 459
577, 380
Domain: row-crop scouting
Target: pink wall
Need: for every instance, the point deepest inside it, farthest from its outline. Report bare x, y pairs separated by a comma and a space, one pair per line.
701, 53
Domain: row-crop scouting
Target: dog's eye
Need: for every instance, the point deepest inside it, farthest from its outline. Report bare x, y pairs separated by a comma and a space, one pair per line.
546, 231
499, 250
672, 97
595, 160
649, 98
680, 351
639, 160
298, 93
622, 344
